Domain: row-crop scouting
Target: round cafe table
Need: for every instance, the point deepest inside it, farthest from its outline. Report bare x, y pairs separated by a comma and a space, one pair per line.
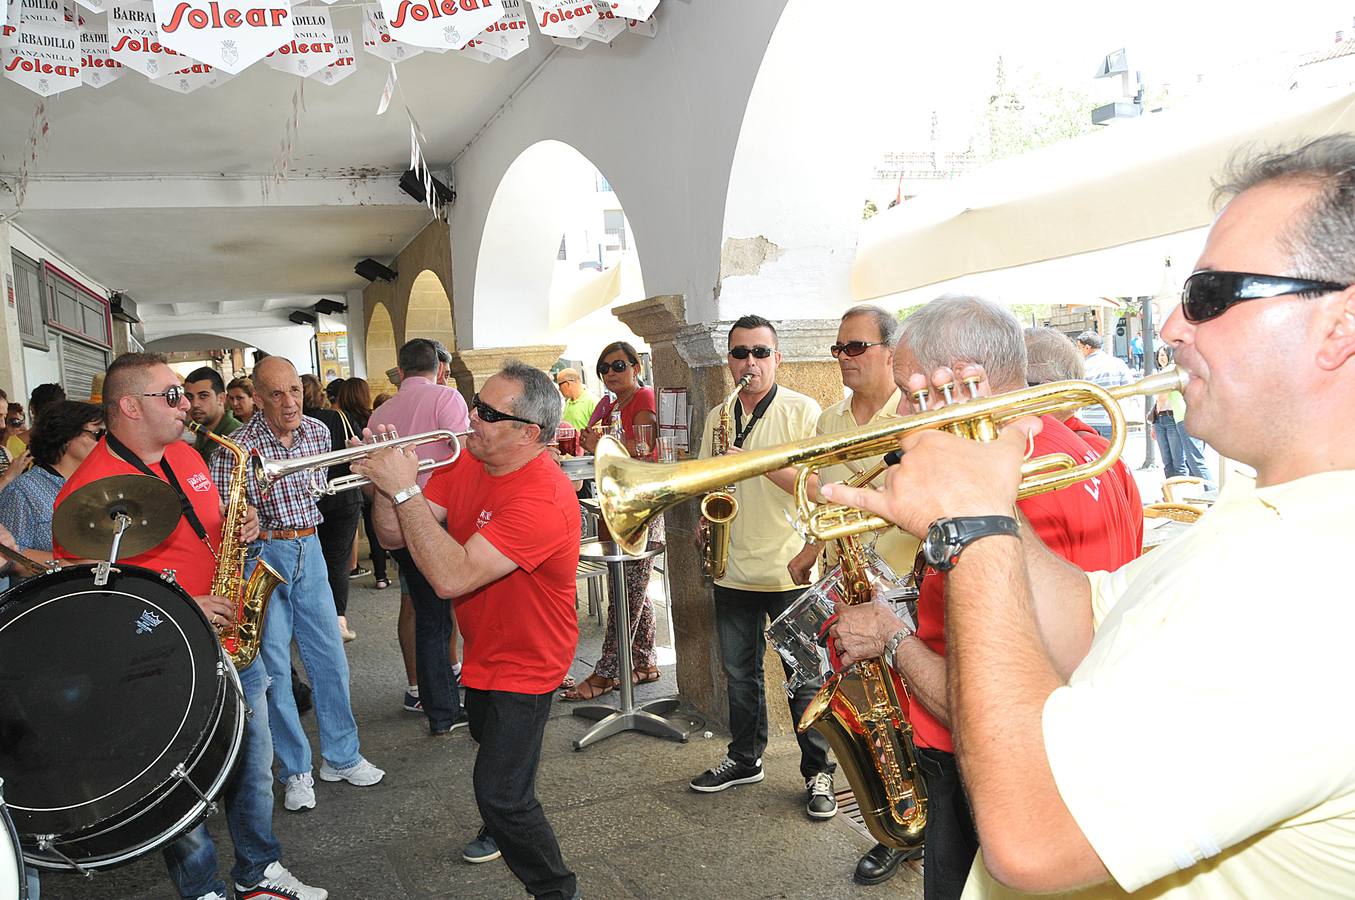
648, 716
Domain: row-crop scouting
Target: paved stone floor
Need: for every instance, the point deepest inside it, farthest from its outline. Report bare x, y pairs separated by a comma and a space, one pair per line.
627, 822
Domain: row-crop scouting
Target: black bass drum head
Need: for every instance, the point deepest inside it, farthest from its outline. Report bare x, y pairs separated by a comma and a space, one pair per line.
103, 691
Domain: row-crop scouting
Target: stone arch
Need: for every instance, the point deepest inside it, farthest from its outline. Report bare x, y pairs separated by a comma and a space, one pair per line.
428, 313
381, 345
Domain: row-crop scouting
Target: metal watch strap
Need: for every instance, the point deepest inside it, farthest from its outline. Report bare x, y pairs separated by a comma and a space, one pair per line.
412, 491
892, 645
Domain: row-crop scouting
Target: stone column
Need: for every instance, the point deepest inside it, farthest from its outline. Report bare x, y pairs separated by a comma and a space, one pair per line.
693, 357
471, 368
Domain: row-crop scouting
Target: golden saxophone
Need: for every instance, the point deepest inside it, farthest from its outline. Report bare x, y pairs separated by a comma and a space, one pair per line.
250, 599
719, 507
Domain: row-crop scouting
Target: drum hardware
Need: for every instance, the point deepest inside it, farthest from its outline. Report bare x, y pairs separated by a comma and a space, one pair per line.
13, 879
26, 565
120, 514
46, 843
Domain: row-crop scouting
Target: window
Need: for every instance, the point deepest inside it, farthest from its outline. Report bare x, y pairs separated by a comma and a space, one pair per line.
73, 308
28, 302
603, 185
614, 223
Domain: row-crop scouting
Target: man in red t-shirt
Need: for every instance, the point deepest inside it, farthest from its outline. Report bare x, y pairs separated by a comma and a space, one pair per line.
498, 533
145, 408
1096, 524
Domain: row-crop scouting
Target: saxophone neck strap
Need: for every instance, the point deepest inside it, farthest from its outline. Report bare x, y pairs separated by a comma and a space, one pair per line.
741, 430
121, 450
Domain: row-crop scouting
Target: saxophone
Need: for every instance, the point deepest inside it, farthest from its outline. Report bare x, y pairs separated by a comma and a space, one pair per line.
250, 599
719, 507
859, 713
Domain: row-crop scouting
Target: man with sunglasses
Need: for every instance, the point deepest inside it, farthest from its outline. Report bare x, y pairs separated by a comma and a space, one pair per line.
498, 532
579, 401
757, 586
427, 623
302, 608
145, 408
1181, 641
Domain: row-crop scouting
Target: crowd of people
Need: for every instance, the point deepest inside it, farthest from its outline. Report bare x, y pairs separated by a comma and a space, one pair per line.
1044, 654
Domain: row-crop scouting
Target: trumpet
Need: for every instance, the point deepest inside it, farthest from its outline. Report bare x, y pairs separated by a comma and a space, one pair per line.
268, 471
630, 493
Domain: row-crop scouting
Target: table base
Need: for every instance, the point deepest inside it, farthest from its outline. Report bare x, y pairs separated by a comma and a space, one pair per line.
647, 717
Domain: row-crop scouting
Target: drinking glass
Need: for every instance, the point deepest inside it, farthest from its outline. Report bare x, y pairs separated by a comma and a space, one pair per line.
644, 440
667, 449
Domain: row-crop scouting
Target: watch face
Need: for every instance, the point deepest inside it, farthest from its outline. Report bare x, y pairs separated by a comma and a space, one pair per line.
936, 547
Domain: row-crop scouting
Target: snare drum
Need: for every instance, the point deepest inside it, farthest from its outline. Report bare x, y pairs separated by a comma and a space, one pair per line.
13, 883
121, 717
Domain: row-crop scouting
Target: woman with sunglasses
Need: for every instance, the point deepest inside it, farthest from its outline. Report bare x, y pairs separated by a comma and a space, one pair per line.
619, 368
61, 440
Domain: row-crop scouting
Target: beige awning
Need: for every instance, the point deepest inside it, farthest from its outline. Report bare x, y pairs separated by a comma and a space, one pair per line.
593, 294
1135, 180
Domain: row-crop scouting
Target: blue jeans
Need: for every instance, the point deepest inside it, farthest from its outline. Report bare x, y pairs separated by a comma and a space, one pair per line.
1192, 449
432, 660
191, 859
304, 608
1169, 444
741, 618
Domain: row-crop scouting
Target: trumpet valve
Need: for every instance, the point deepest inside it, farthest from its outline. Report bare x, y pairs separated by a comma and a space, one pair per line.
947, 392
972, 382
920, 399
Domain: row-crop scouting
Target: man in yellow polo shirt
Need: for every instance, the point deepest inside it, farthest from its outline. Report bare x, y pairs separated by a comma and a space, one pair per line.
757, 586
1198, 745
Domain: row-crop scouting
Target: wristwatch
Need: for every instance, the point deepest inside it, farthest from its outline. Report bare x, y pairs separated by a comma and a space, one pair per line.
892, 645
947, 537
412, 491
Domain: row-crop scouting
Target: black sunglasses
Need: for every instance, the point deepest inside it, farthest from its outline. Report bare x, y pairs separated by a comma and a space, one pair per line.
853, 348
97, 433
1209, 294
172, 394
759, 352
616, 365
488, 413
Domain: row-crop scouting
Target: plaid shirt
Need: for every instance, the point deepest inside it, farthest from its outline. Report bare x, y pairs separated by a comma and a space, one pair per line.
290, 503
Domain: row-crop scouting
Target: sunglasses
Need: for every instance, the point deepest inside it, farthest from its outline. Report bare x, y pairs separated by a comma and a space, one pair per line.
759, 352
488, 413
853, 348
97, 433
1208, 294
616, 365
172, 394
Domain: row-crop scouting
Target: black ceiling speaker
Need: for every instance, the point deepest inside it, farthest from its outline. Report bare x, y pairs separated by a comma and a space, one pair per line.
412, 184
374, 271
330, 307
299, 317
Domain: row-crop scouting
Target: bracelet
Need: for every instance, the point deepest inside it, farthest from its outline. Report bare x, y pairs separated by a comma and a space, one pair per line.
400, 497
892, 645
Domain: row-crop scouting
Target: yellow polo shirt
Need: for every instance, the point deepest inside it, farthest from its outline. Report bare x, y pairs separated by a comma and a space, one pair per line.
1205, 746
896, 546
761, 538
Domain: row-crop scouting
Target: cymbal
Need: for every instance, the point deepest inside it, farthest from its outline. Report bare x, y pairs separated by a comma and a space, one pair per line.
85, 521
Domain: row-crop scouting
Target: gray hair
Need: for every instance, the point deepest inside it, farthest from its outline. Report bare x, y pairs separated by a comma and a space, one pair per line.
955, 330
885, 321
1090, 339
540, 401
1051, 356
1321, 239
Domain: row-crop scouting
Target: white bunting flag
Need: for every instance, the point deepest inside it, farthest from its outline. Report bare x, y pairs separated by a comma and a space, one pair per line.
634, 9
645, 28
478, 52
97, 67
190, 78
387, 92
569, 21
342, 67
609, 25
96, 6
509, 30
23, 12
135, 40
377, 40
45, 57
449, 24
226, 34
312, 49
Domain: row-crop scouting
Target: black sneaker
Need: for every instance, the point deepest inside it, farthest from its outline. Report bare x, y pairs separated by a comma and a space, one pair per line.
726, 775
820, 801
481, 850
359, 572
881, 863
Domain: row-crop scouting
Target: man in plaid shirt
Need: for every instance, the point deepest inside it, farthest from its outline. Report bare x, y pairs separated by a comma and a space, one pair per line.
303, 608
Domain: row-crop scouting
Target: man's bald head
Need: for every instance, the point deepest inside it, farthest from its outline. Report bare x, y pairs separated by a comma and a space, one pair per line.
272, 368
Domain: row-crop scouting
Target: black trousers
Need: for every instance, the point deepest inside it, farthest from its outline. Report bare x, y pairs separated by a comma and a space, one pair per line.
950, 839
336, 535
378, 552
509, 728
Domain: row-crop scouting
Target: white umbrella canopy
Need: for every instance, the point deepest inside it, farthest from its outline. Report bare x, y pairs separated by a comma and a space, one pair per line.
1140, 179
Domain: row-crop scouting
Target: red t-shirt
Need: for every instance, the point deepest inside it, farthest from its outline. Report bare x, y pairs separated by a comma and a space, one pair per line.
642, 401
183, 551
521, 630
1095, 524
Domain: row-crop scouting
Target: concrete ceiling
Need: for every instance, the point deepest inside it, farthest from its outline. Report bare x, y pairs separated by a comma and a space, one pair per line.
161, 195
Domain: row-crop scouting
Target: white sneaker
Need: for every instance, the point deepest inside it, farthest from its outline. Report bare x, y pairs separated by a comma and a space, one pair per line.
212, 896
362, 773
278, 882
300, 793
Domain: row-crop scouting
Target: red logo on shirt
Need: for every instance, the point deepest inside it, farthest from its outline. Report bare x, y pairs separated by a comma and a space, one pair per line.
200, 482
483, 519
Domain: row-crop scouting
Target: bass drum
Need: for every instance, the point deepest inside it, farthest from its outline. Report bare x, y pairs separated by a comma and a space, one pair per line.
121, 717
13, 883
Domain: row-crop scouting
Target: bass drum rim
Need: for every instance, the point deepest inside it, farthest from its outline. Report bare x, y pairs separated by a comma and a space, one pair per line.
10, 834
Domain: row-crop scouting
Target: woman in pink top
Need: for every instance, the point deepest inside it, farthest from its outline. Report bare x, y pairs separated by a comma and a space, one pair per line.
619, 369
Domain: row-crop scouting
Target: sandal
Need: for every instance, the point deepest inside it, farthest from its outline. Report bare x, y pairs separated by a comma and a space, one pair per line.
645, 675
590, 688
568, 683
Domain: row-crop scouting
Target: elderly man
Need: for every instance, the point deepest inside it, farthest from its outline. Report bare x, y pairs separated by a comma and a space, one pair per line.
206, 392
145, 408
427, 628
579, 403
1104, 370
303, 608
1096, 525
1052, 758
498, 532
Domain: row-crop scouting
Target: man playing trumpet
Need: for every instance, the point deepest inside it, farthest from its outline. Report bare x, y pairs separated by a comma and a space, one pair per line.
1055, 672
